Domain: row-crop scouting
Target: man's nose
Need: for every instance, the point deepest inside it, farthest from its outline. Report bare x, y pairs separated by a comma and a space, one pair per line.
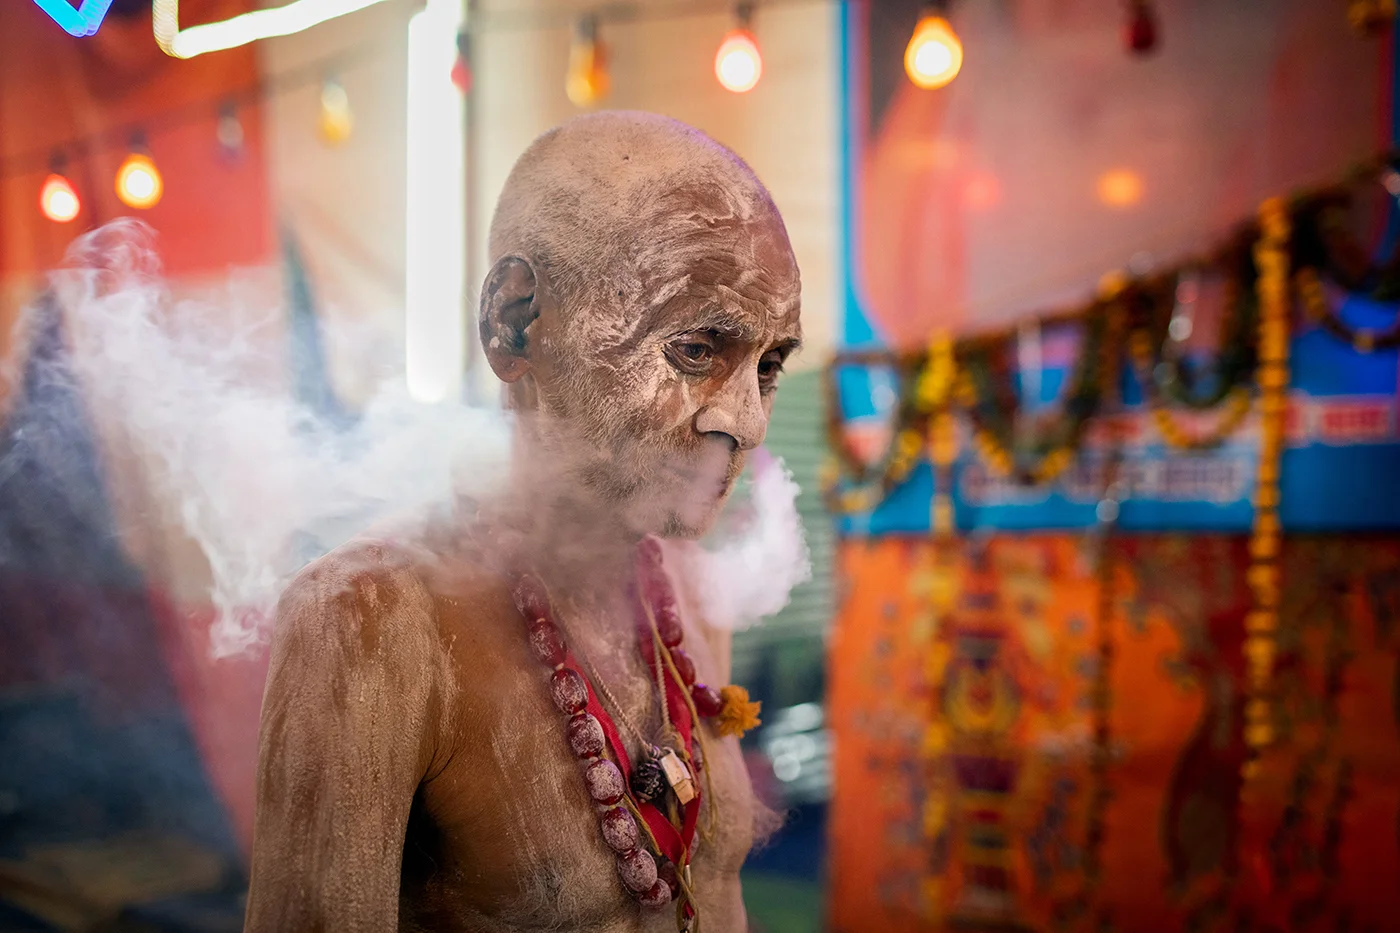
736, 410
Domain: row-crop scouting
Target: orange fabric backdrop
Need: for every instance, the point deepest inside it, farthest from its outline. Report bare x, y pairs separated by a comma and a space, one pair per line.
1318, 839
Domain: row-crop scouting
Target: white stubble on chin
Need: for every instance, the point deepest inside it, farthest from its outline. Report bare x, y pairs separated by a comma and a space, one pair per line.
701, 483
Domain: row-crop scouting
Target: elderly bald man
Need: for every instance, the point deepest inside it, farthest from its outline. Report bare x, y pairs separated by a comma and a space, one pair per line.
504, 725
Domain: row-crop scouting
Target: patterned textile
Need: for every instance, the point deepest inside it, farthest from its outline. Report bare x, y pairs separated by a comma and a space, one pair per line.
979, 783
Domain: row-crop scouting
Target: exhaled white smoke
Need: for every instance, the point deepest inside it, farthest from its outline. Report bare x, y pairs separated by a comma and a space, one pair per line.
262, 483
751, 576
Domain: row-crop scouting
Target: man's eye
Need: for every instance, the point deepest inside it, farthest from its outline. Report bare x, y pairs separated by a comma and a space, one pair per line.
695, 352
692, 357
768, 369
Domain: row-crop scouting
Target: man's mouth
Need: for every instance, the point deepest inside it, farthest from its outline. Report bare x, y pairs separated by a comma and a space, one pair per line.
705, 482
699, 481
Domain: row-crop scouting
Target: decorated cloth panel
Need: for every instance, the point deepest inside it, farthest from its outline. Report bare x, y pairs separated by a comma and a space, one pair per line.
1063, 749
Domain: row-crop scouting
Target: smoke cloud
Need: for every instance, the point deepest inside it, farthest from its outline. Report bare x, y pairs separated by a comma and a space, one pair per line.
263, 482
751, 573
258, 480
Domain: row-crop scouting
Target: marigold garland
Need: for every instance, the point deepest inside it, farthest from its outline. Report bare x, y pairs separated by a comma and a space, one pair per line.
940, 376
942, 435
1271, 256
1237, 404
1153, 306
1321, 242
1321, 312
1326, 242
1232, 395
992, 407
922, 420
870, 484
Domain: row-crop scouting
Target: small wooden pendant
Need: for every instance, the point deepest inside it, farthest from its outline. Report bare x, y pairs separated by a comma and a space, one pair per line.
677, 775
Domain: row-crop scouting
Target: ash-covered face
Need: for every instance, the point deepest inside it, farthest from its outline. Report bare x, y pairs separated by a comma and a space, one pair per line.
689, 392
647, 392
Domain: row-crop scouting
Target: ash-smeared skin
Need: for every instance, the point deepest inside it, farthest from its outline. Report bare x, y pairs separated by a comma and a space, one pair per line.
412, 768
643, 236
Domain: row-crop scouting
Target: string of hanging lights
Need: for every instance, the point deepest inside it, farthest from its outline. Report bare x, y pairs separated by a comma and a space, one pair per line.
138, 181
738, 62
932, 59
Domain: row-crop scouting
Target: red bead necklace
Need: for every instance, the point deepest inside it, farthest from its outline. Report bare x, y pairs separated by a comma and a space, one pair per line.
620, 790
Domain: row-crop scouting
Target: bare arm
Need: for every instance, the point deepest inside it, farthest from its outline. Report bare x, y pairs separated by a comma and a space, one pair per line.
349, 725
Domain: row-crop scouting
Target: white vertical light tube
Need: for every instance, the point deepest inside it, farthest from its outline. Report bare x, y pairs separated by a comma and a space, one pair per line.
435, 261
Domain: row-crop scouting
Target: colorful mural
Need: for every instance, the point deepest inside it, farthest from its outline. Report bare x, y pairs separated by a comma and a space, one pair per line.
1079, 770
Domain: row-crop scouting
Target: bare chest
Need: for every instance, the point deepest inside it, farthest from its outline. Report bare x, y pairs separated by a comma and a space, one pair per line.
504, 835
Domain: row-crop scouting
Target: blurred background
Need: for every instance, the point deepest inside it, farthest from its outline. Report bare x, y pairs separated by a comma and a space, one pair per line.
1097, 443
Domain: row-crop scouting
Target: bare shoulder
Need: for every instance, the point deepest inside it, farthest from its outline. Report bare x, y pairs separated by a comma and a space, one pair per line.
363, 610
357, 704
368, 580
403, 606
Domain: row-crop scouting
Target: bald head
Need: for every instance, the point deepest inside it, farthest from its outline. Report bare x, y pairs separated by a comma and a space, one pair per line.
641, 301
611, 204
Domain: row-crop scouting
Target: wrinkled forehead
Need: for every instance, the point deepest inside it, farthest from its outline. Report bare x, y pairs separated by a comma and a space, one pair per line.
699, 269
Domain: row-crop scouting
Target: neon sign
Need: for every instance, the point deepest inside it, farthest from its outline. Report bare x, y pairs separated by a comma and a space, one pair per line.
82, 21
240, 30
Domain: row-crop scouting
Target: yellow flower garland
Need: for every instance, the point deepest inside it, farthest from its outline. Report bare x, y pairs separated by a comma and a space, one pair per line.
996, 455
1237, 404
1271, 258
938, 383
1320, 311
933, 389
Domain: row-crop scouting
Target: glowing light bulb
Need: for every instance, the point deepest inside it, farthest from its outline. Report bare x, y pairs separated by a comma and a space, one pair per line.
934, 55
139, 184
1120, 188
738, 63
587, 81
57, 199
336, 121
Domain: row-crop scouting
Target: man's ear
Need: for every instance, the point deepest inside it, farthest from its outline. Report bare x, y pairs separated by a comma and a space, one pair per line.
508, 308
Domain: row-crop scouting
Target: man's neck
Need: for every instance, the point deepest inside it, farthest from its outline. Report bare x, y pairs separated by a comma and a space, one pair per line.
575, 546
582, 546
